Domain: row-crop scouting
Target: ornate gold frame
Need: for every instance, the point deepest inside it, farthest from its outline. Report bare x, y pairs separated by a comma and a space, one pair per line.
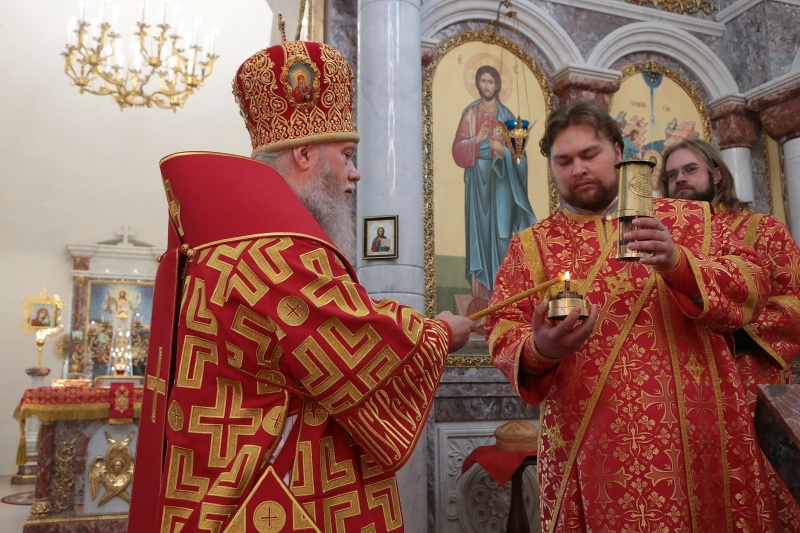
658, 68
487, 35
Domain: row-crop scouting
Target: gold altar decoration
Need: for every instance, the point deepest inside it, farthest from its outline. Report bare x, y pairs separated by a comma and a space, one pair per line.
67, 435
114, 472
165, 64
42, 319
683, 7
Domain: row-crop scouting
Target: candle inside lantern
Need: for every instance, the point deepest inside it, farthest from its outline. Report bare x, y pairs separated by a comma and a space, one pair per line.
566, 281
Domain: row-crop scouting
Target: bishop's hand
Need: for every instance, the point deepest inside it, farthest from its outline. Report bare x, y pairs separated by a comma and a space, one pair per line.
556, 339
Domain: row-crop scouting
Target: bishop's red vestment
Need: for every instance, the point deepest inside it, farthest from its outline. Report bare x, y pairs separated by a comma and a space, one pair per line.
269, 325
645, 428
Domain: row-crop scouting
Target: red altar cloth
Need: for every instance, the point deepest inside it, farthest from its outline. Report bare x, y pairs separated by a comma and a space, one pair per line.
49, 404
498, 463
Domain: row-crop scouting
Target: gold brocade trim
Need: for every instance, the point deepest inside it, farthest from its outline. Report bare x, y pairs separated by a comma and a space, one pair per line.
786, 301
699, 281
500, 329
751, 330
736, 221
749, 306
706, 227
47, 414
751, 233
255, 236
82, 518
623, 335
469, 361
200, 152
723, 435
342, 136
605, 252
533, 256
580, 216
679, 388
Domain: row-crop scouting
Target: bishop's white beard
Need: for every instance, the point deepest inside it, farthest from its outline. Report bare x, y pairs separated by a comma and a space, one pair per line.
336, 217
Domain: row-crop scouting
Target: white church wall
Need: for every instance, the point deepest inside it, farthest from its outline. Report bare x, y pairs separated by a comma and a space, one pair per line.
74, 168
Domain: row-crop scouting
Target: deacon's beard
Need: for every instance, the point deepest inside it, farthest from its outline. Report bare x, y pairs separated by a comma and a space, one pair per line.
594, 200
337, 217
702, 195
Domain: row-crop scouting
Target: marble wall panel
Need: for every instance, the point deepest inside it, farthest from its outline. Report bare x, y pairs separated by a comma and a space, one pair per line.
745, 48
784, 31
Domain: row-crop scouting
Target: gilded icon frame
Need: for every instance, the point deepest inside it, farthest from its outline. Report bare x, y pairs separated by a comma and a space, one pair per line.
438, 218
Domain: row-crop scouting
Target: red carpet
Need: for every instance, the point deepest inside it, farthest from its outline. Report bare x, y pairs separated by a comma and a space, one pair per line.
22, 498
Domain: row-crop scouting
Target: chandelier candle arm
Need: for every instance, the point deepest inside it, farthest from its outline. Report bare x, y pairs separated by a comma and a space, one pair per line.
175, 62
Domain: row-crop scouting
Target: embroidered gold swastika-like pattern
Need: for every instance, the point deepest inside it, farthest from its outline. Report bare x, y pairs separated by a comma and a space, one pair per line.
194, 356
261, 330
182, 484
384, 494
232, 483
198, 316
333, 473
286, 320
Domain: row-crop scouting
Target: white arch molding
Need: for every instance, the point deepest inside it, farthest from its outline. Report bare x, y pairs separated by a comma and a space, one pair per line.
671, 42
555, 44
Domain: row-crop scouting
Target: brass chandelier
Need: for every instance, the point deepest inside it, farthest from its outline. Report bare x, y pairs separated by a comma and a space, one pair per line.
164, 65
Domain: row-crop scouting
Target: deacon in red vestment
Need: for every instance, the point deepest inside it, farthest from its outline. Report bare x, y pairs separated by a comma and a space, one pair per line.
766, 347
644, 426
279, 396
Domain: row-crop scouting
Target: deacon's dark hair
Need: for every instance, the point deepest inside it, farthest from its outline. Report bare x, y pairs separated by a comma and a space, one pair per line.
577, 113
711, 157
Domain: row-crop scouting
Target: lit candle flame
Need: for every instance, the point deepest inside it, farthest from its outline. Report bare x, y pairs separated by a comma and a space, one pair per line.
566, 281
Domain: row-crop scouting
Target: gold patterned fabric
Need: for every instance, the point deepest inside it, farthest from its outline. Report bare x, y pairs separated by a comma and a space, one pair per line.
774, 336
643, 429
295, 93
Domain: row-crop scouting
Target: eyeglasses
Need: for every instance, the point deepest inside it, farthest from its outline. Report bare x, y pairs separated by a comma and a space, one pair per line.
688, 170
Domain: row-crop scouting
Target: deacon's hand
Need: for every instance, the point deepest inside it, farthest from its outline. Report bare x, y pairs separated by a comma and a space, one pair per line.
556, 339
461, 327
651, 235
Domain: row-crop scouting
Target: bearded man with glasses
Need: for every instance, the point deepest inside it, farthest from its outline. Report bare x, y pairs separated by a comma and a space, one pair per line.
765, 348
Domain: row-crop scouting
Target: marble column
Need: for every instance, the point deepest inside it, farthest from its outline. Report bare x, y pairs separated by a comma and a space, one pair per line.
389, 100
778, 105
791, 161
389, 97
738, 129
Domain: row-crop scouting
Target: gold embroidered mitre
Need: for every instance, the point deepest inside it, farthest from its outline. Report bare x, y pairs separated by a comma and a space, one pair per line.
295, 93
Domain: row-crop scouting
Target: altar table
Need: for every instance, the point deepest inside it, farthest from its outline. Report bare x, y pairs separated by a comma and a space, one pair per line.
75, 434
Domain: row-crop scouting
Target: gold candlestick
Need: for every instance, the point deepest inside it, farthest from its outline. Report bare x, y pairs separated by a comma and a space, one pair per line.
565, 301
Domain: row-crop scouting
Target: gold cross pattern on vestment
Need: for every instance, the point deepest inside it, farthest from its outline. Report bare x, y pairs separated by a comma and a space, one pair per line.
157, 385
